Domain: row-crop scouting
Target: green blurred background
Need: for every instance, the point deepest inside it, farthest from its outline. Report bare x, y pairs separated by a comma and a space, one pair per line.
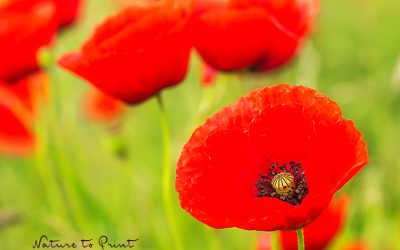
77, 185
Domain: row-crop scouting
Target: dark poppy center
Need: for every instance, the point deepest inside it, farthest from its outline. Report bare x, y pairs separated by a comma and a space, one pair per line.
286, 182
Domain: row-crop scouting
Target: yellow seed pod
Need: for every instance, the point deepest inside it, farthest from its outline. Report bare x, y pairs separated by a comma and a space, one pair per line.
284, 184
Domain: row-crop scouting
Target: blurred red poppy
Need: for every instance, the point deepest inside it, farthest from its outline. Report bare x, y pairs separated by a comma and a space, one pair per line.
18, 107
102, 108
255, 34
320, 233
208, 75
270, 161
24, 28
136, 53
67, 11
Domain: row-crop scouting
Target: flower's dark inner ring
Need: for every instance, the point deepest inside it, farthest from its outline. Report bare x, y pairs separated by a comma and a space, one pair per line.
286, 182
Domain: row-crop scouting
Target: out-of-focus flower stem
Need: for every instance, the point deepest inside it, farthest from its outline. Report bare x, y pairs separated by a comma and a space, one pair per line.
166, 176
54, 197
210, 97
54, 200
300, 239
68, 180
275, 240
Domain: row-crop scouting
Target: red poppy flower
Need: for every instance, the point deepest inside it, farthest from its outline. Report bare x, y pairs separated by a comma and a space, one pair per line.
320, 233
18, 103
270, 161
135, 54
65, 13
208, 75
24, 28
101, 107
256, 34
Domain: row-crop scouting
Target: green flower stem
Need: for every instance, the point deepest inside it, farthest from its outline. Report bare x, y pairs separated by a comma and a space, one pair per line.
53, 197
300, 239
241, 83
211, 96
62, 170
166, 176
275, 240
